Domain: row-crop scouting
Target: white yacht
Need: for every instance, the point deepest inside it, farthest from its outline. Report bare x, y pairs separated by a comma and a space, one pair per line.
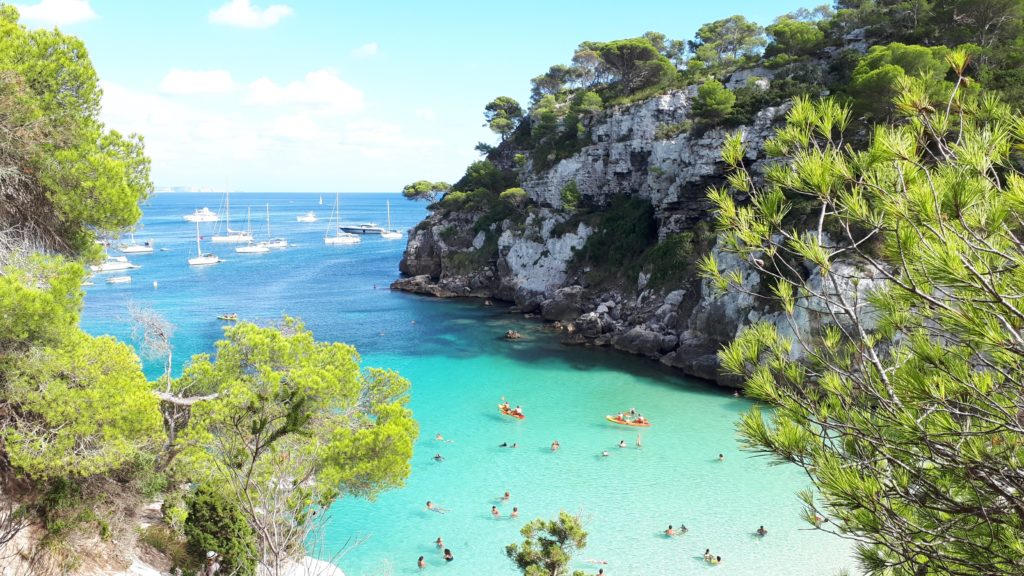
136, 248
307, 217
368, 228
201, 215
231, 236
390, 233
339, 236
119, 280
202, 259
114, 264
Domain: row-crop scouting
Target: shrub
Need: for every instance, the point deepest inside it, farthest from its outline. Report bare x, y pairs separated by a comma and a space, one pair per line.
713, 103
622, 233
215, 523
570, 196
666, 131
515, 197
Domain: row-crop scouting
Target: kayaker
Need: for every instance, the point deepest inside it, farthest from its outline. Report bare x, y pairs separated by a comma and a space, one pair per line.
505, 406
518, 411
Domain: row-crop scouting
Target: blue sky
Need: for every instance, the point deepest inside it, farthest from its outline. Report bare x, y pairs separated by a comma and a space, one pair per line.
303, 95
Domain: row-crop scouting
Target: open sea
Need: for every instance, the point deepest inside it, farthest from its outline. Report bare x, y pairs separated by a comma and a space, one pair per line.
460, 366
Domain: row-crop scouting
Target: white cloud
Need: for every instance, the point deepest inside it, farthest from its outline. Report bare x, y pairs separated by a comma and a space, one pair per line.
300, 128
321, 89
366, 50
426, 114
243, 14
57, 12
179, 81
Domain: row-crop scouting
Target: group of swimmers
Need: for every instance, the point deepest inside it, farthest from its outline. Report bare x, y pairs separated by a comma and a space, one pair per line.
711, 558
448, 556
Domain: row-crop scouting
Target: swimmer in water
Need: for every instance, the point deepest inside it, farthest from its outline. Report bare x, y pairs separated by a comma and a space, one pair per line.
721, 457
605, 453
707, 554
683, 529
494, 511
448, 555
670, 532
622, 443
761, 531
439, 438
503, 445
514, 445
639, 444
515, 512
421, 562
506, 496
435, 508
555, 445
440, 543
438, 458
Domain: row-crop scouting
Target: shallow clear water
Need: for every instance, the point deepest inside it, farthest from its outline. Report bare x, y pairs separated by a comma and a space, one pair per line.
460, 367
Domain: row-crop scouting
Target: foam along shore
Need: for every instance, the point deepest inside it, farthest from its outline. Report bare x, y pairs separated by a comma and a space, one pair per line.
310, 567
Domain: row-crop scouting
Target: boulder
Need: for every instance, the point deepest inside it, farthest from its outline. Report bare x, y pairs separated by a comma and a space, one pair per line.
565, 304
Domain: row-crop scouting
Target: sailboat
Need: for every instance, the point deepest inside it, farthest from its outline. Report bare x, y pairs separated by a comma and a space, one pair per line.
231, 236
252, 247
339, 237
134, 247
202, 259
388, 232
271, 241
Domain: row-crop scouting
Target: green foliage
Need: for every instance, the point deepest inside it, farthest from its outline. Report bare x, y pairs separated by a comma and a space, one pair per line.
516, 197
282, 395
635, 64
484, 174
905, 410
425, 190
587, 103
503, 115
722, 46
793, 38
877, 77
167, 542
673, 50
548, 546
668, 131
216, 523
570, 196
713, 103
39, 301
71, 424
73, 176
622, 233
673, 261
174, 511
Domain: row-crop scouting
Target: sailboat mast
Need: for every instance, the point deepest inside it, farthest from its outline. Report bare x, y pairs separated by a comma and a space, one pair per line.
268, 220
199, 249
389, 215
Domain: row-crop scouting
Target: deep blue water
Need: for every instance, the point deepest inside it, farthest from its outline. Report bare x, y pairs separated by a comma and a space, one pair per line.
460, 366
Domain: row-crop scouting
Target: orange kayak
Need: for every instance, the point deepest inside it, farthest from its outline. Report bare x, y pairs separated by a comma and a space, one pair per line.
617, 420
508, 412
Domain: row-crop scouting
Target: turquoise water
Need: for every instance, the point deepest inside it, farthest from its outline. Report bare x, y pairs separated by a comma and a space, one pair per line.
460, 367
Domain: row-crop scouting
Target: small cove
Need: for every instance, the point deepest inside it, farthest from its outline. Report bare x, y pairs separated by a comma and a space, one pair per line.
460, 367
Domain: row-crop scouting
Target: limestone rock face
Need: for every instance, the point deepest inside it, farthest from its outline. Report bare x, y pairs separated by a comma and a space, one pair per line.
530, 263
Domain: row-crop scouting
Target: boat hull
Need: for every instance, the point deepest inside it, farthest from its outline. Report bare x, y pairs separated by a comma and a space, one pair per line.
232, 239
508, 412
615, 420
361, 229
204, 260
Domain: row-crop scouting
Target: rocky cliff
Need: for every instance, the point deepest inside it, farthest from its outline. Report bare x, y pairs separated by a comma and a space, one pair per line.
532, 258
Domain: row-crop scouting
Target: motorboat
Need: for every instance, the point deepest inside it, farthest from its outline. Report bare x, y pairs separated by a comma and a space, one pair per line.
119, 280
368, 228
307, 217
339, 236
114, 264
253, 248
201, 215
